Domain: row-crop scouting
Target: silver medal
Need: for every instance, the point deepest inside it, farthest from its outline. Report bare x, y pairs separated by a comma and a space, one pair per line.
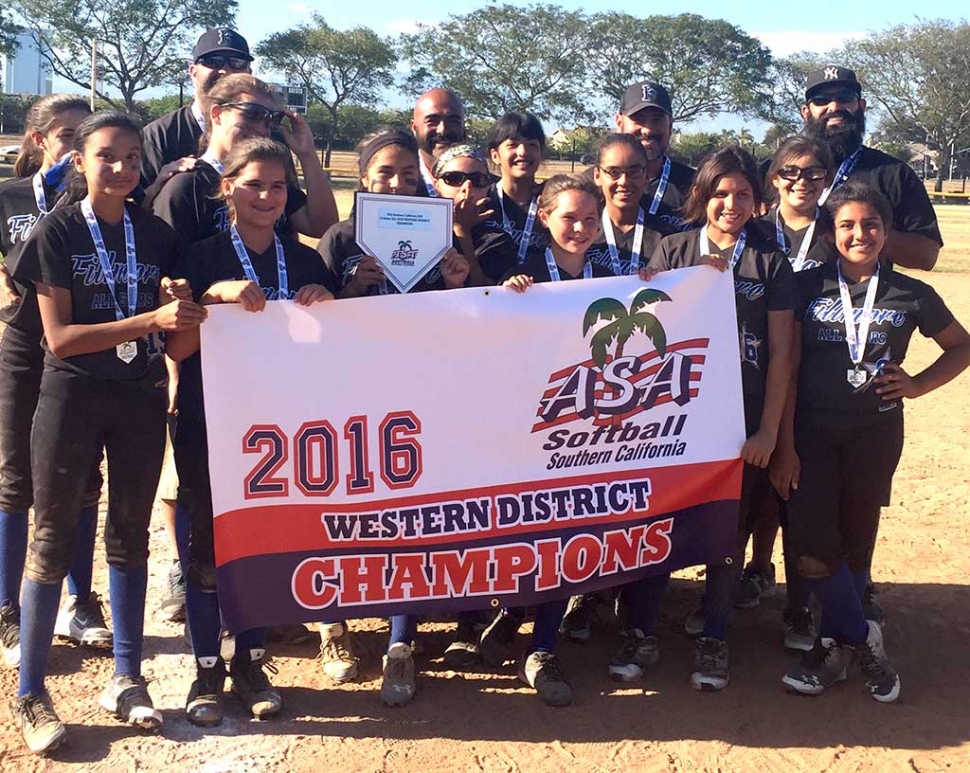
856, 377
127, 351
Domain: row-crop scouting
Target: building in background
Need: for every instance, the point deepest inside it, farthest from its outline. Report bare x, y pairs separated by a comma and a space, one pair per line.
26, 72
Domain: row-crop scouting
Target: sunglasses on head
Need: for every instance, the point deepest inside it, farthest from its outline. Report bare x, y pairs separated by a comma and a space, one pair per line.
796, 173
844, 97
253, 111
616, 172
457, 179
217, 62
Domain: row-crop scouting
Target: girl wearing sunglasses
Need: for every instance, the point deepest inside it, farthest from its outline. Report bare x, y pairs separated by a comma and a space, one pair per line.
461, 174
800, 172
240, 107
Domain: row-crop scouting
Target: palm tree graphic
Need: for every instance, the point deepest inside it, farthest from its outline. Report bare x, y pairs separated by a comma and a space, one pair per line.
623, 324
404, 245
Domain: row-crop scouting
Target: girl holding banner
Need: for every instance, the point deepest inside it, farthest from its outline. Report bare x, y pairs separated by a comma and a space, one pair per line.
569, 208
724, 198
851, 388
101, 385
247, 264
48, 136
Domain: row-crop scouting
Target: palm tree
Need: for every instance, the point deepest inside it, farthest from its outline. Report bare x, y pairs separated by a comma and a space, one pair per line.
622, 324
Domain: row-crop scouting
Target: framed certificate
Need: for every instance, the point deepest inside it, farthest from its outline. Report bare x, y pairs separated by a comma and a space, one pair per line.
407, 234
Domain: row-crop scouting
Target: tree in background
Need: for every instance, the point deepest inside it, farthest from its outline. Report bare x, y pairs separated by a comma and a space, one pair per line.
691, 148
919, 74
783, 91
8, 37
503, 57
707, 65
141, 43
336, 67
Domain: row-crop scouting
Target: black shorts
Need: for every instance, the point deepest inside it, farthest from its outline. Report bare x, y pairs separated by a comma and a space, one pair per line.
847, 466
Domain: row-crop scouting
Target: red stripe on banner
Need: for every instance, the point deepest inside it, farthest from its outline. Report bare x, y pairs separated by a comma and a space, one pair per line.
269, 529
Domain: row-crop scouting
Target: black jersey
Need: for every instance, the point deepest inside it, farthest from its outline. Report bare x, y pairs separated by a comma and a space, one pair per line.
169, 138
517, 218
793, 239
61, 253
537, 268
215, 260
902, 305
341, 253
19, 214
188, 202
912, 209
763, 282
676, 193
654, 229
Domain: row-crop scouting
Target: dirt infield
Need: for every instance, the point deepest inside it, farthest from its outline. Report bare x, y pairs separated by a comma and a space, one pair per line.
489, 722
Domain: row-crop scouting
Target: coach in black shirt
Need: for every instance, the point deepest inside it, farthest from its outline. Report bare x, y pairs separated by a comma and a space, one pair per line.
219, 52
834, 113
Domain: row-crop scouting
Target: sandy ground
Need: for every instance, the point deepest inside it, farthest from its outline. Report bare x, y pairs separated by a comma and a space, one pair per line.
490, 722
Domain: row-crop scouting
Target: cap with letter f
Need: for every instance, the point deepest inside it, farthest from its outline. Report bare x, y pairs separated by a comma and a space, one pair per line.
221, 40
831, 75
645, 94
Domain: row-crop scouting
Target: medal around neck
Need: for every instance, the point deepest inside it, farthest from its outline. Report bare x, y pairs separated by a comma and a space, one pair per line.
127, 351
407, 235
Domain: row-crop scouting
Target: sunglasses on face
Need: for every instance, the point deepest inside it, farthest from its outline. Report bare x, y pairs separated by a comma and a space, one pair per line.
796, 173
457, 179
616, 172
217, 62
843, 97
255, 112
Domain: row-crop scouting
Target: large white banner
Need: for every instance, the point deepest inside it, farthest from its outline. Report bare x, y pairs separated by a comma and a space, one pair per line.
470, 447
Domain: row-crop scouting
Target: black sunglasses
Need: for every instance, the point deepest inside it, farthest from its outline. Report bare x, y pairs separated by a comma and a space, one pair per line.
253, 111
217, 62
843, 97
457, 179
796, 173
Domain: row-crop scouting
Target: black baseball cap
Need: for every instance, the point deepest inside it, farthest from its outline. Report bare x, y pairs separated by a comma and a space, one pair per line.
645, 94
221, 40
831, 75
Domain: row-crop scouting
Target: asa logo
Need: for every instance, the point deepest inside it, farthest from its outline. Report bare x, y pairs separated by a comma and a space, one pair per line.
614, 385
404, 255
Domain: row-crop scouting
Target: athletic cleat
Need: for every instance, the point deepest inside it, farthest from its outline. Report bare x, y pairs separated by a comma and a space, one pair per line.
881, 678
42, 731
871, 607
172, 607
637, 654
694, 624
498, 639
820, 668
340, 661
82, 621
711, 665
543, 672
755, 583
800, 631
10, 636
127, 698
204, 705
463, 653
251, 685
397, 685
577, 623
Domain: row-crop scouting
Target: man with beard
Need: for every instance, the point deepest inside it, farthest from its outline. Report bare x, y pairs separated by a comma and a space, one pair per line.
438, 123
646, 112
176, 135
834, 113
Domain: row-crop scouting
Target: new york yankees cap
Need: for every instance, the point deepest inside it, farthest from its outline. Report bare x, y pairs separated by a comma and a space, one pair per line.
645, 94
221, 40
829, 75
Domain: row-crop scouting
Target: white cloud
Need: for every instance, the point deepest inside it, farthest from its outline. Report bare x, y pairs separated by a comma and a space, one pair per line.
301, 8
785, 43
